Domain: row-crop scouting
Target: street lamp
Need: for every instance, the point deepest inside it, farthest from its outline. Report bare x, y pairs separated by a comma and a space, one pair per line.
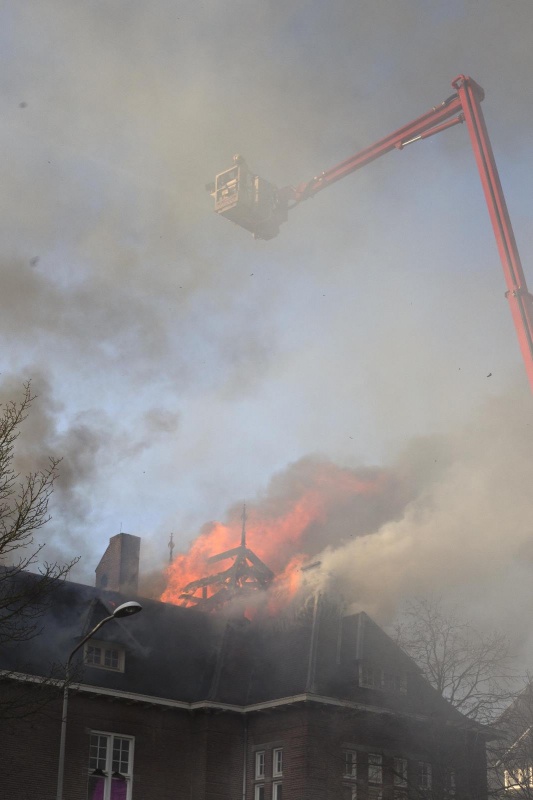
125, 610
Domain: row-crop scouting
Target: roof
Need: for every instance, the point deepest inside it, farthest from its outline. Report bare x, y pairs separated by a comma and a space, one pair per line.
190, 656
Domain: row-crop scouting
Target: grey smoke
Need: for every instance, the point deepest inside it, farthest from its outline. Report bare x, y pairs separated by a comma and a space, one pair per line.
180, 363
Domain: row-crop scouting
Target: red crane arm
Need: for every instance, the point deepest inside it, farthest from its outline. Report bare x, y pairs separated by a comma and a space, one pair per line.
428, 124
259, 207
465, 105
470, 95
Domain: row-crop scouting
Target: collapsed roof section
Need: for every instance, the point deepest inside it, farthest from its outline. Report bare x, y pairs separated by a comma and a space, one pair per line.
244, 577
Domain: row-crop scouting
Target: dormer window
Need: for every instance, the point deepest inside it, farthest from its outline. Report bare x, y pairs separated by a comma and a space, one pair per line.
373, 677
369, 675
105, 655
394, 681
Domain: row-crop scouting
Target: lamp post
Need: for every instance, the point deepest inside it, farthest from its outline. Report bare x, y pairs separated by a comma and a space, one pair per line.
125, 610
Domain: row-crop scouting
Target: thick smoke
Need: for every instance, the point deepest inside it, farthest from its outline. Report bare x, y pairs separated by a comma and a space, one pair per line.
452, 515
178, 363
89, 448
466, 534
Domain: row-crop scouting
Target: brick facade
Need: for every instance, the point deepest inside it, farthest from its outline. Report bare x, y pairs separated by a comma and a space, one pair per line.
118, 570
201, 696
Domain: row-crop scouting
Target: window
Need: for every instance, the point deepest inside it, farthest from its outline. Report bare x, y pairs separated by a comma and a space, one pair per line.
375, 768
259, 792
277, 789
424, 775
518, 778
369, 676
399, 793
373, 677
451, 783
260, 765
375, 793
400, 772
110, 767
349, 791
350, 763
394, 682
277, 762
105, 655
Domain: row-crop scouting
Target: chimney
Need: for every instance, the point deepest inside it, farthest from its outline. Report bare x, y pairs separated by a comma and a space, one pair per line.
118, 570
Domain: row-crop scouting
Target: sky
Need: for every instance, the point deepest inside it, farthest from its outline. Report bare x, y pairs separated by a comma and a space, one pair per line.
182, 367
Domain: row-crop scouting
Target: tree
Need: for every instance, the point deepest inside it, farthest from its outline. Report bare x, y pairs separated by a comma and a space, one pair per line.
24, 502
469, 668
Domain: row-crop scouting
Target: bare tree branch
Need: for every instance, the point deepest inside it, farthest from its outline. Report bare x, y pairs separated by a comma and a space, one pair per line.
470, 669
24, 502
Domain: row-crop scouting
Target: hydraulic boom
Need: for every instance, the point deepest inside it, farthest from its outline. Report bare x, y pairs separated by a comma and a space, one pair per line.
261, 208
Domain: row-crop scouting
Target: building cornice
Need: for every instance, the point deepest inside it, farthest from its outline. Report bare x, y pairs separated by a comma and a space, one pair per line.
213, 705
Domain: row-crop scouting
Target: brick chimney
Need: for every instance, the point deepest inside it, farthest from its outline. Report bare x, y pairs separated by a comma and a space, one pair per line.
118, 570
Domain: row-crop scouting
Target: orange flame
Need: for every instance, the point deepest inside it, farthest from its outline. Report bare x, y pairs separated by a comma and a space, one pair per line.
276, 531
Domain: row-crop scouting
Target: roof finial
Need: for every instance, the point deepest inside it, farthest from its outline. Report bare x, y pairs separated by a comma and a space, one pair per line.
171, 547
243, 535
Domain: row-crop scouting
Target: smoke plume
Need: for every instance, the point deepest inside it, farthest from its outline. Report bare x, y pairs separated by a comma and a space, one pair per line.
452, 515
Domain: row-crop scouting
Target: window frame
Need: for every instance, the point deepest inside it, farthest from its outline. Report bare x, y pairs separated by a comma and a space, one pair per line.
104, 647
108, 772
509, 780
275, 794
372, 676
349, 764
277, 756
376, 765
518, 778
369, 675
351, 789
400, 773
260, 761
259, 789
452, 783
424, 778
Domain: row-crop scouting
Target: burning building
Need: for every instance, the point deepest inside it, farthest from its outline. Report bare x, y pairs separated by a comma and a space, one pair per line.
245, 576
197, 702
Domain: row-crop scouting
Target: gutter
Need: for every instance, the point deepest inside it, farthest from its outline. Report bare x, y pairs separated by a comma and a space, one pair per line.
199, 705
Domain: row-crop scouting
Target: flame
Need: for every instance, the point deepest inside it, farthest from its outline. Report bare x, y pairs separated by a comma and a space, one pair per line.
277, 530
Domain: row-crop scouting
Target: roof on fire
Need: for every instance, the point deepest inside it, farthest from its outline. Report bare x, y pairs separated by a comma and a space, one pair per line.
183, 654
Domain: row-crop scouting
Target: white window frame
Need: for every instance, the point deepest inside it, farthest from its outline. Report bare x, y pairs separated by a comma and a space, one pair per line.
350, 764
259, 765
104, 647
258, 790
375, 792
452, 783
424, 775
108, 771
400, 773
518, 778
374, 677
375, 767
369, 675
525, 776
399, 793
394, 681
277, 762
352, 789
508, 784
275, 793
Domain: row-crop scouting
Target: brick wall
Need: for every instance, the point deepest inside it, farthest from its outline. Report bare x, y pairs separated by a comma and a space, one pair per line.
182, 755
118, 570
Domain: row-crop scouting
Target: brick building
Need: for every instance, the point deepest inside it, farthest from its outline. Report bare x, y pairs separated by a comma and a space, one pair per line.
178, 704
511, 753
